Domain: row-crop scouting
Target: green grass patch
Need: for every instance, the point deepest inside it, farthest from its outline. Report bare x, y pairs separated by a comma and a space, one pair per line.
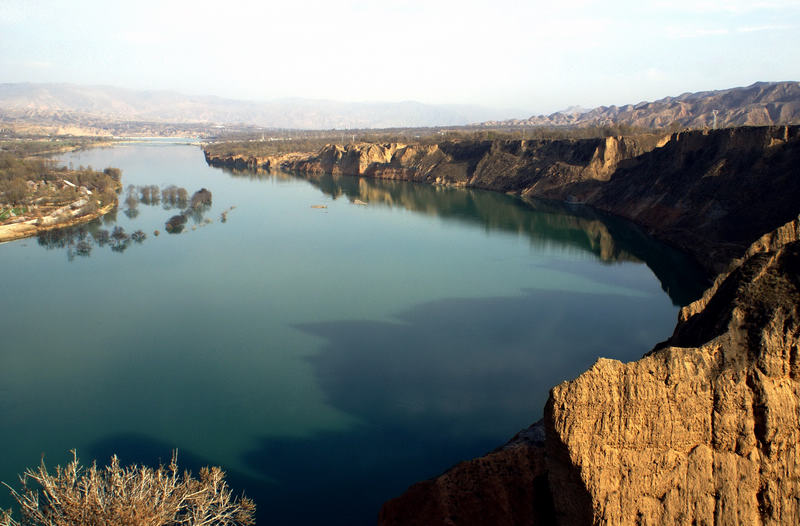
5, 213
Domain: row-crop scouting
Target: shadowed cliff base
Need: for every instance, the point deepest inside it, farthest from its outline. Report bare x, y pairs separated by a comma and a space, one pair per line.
397, 443
424, 403
507, 486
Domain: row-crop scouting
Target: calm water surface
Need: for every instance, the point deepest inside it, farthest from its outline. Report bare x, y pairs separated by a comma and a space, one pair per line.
327, 358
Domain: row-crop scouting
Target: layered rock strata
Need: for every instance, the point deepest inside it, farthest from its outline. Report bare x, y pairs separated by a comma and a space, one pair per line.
705, 429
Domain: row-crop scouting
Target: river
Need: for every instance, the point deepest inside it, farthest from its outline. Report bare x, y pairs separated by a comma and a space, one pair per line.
327, 358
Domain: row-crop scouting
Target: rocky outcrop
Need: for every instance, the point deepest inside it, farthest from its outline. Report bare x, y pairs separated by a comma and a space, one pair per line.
709, 193
705, 429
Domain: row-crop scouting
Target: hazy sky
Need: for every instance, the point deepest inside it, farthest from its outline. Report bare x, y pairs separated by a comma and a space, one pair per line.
535, 56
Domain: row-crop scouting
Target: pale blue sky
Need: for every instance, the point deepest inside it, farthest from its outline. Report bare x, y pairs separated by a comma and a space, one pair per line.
535, 56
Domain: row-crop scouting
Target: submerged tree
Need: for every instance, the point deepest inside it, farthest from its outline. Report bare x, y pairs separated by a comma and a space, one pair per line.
175, 224
132, 201
132, 496
101, 237
83, 248
174, 197
150, 195
138, 236
200, 199
118, 233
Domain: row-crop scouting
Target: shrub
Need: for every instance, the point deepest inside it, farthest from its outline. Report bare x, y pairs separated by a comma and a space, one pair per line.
129, 496
201, 198
15, 191
119, 234
114, 173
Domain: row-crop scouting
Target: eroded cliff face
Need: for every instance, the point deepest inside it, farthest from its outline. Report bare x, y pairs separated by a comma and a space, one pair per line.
705, 429
710, 193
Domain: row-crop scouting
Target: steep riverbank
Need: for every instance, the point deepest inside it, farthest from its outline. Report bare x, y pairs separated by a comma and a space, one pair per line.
704, 429
709, 193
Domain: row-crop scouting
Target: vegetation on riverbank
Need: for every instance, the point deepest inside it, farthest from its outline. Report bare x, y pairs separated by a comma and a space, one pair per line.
37, 195
281, 142
24, 146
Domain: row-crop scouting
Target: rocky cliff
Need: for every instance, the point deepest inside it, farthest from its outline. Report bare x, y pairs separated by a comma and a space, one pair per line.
705, 429
710, 193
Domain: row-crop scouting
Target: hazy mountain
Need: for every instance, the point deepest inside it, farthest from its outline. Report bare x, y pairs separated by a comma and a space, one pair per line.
60, 101
762, 103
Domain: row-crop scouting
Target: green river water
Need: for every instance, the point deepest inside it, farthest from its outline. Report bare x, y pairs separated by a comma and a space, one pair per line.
327, 358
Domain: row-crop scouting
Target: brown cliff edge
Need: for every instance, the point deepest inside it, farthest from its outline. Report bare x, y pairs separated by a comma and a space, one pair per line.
704, 429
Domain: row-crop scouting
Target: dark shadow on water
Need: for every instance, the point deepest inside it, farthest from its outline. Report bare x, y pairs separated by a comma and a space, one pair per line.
445, 381
449, 380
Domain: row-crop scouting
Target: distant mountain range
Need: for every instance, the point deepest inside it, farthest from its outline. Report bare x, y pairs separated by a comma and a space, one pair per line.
104, 110
64, 102
762, 103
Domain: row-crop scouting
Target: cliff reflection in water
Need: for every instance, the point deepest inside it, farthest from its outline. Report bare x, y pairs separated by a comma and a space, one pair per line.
544, 223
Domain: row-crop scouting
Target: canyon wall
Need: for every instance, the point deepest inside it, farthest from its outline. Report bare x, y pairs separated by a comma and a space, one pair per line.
709, 193
705, 429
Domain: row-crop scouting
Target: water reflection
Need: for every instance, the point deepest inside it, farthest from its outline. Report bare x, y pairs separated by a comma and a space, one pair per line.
544, 223
327, 361
80, 241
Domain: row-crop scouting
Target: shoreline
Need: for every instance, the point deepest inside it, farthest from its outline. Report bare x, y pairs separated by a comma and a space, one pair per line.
705, 425
17, 231
702, 205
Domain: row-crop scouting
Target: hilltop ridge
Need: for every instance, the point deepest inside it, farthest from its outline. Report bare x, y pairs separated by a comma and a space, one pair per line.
99, 106
106, 110
760, 104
